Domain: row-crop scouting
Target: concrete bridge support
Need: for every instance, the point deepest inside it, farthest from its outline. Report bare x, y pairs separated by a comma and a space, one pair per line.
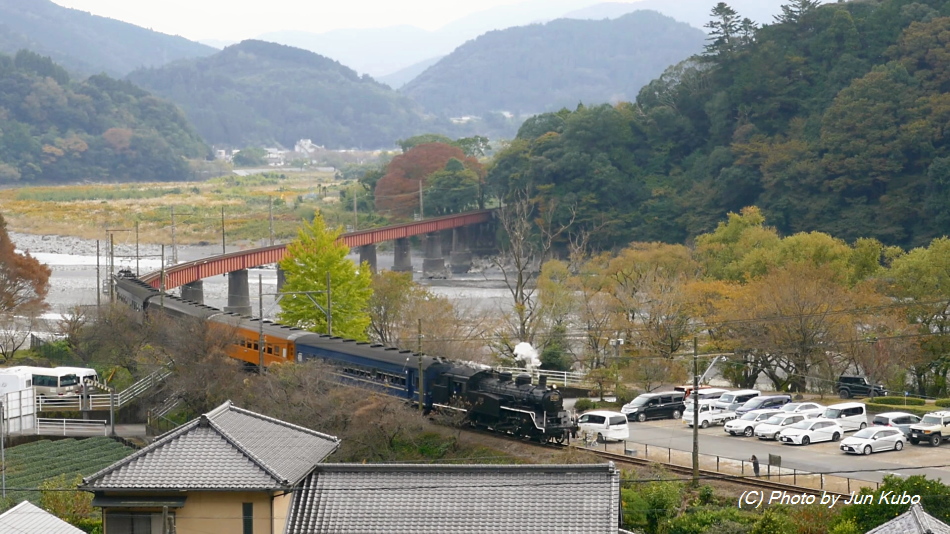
368, 254
460, 259
433, 265
403, 259
281, 278
194, 292
239, 299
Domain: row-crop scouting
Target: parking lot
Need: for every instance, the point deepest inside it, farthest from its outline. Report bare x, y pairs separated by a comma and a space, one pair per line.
667, 438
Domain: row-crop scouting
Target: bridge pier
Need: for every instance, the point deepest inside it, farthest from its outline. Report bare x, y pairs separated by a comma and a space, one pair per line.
239, 298
433, 265
403, 260
368, 254
281, 278
460, 258
194, 292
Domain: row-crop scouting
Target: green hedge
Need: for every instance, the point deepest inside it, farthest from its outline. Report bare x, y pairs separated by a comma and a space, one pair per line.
916, 410
899, 401
943, 403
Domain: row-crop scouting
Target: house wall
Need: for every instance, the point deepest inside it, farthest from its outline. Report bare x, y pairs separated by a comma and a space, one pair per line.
221, 513
281, 511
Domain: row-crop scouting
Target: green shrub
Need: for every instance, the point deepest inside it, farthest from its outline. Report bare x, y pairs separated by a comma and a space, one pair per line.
943, 403
916, 410
899, 401
582, 405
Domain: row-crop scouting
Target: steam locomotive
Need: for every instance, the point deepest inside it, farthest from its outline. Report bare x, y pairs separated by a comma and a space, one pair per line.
496, 401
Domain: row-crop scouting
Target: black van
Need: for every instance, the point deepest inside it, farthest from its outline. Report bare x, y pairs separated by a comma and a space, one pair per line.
658, 405
763, 402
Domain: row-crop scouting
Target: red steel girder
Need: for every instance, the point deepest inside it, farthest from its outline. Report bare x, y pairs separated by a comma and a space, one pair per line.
185, 273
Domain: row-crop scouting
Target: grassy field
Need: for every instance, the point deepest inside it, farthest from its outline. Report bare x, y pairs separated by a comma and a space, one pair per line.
30, 464
249, 203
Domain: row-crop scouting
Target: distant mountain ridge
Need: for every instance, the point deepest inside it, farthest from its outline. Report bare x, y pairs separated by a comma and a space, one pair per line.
85, 43
537, 68
692, 12
259, 93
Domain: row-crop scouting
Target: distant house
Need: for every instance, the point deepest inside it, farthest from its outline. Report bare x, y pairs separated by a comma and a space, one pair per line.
914, 521
27, 518
231, 470
397, 499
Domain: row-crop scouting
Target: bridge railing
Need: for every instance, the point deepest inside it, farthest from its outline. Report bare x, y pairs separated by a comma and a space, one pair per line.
561, 378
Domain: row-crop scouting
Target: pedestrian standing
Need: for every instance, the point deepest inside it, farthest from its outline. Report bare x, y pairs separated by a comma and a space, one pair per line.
755, 465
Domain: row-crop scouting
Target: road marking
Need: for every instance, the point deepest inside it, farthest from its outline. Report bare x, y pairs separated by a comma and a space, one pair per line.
892, 473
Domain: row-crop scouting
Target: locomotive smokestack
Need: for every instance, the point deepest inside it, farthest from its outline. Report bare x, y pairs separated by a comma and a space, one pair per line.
543, 381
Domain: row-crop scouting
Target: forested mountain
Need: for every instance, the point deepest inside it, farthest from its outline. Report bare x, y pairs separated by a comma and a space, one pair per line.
56, 130
86, 43
832, 120
692, 12
536, 68
255, 93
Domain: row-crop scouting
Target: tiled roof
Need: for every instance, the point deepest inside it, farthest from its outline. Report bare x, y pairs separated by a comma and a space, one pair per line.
26, 518
913, 521
228, 448
453, 499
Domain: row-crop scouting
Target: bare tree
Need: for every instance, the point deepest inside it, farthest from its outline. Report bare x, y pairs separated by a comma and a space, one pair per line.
530, 232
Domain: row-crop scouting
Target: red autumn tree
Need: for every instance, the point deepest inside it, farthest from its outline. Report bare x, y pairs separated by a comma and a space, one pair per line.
24, 281
397, 193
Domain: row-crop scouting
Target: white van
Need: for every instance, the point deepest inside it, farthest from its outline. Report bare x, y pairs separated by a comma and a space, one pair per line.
733, 399
849, 415
606, 426
709, 414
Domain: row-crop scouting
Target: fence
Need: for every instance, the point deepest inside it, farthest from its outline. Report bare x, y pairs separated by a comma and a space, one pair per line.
101, 401
733, 467
563, 378
70, 427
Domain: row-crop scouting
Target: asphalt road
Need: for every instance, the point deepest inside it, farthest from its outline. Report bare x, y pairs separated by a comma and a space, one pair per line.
823, 457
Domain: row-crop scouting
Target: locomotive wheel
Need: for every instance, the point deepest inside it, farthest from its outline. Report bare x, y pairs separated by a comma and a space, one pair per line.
560, 439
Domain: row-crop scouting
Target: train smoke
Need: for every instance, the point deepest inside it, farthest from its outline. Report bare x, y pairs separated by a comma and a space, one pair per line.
524, 352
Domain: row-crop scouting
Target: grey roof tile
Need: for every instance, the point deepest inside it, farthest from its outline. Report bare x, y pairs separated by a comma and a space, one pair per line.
227, 448
27, 518
454, 499
914, 521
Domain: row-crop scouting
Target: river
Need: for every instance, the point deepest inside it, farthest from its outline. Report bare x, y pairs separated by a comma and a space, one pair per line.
75, 265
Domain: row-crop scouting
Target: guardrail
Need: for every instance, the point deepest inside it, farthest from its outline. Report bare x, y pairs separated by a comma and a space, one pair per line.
731, 467
562, 378
70, 427
132, 392
101, 401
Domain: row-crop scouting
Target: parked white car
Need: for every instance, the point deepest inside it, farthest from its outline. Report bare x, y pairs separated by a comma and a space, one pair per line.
773, 425
874, 439
709, 414
745, 425
808, 408
811, 431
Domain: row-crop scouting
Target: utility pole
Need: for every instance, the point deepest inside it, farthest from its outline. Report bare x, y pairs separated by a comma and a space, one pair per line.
270, 210
98, 281
161, 283
111, 266
356, 217
329, 308
223, 248
260, 323
695, 412
421, 212
174, 245
421, 382
136, 248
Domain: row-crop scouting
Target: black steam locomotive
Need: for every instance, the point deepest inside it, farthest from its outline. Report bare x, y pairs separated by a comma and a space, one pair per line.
491, 400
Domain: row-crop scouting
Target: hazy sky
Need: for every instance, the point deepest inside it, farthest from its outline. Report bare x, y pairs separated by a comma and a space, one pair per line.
242, 19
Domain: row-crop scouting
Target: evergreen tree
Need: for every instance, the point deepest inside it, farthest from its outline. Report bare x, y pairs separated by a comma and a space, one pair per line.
723, 30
